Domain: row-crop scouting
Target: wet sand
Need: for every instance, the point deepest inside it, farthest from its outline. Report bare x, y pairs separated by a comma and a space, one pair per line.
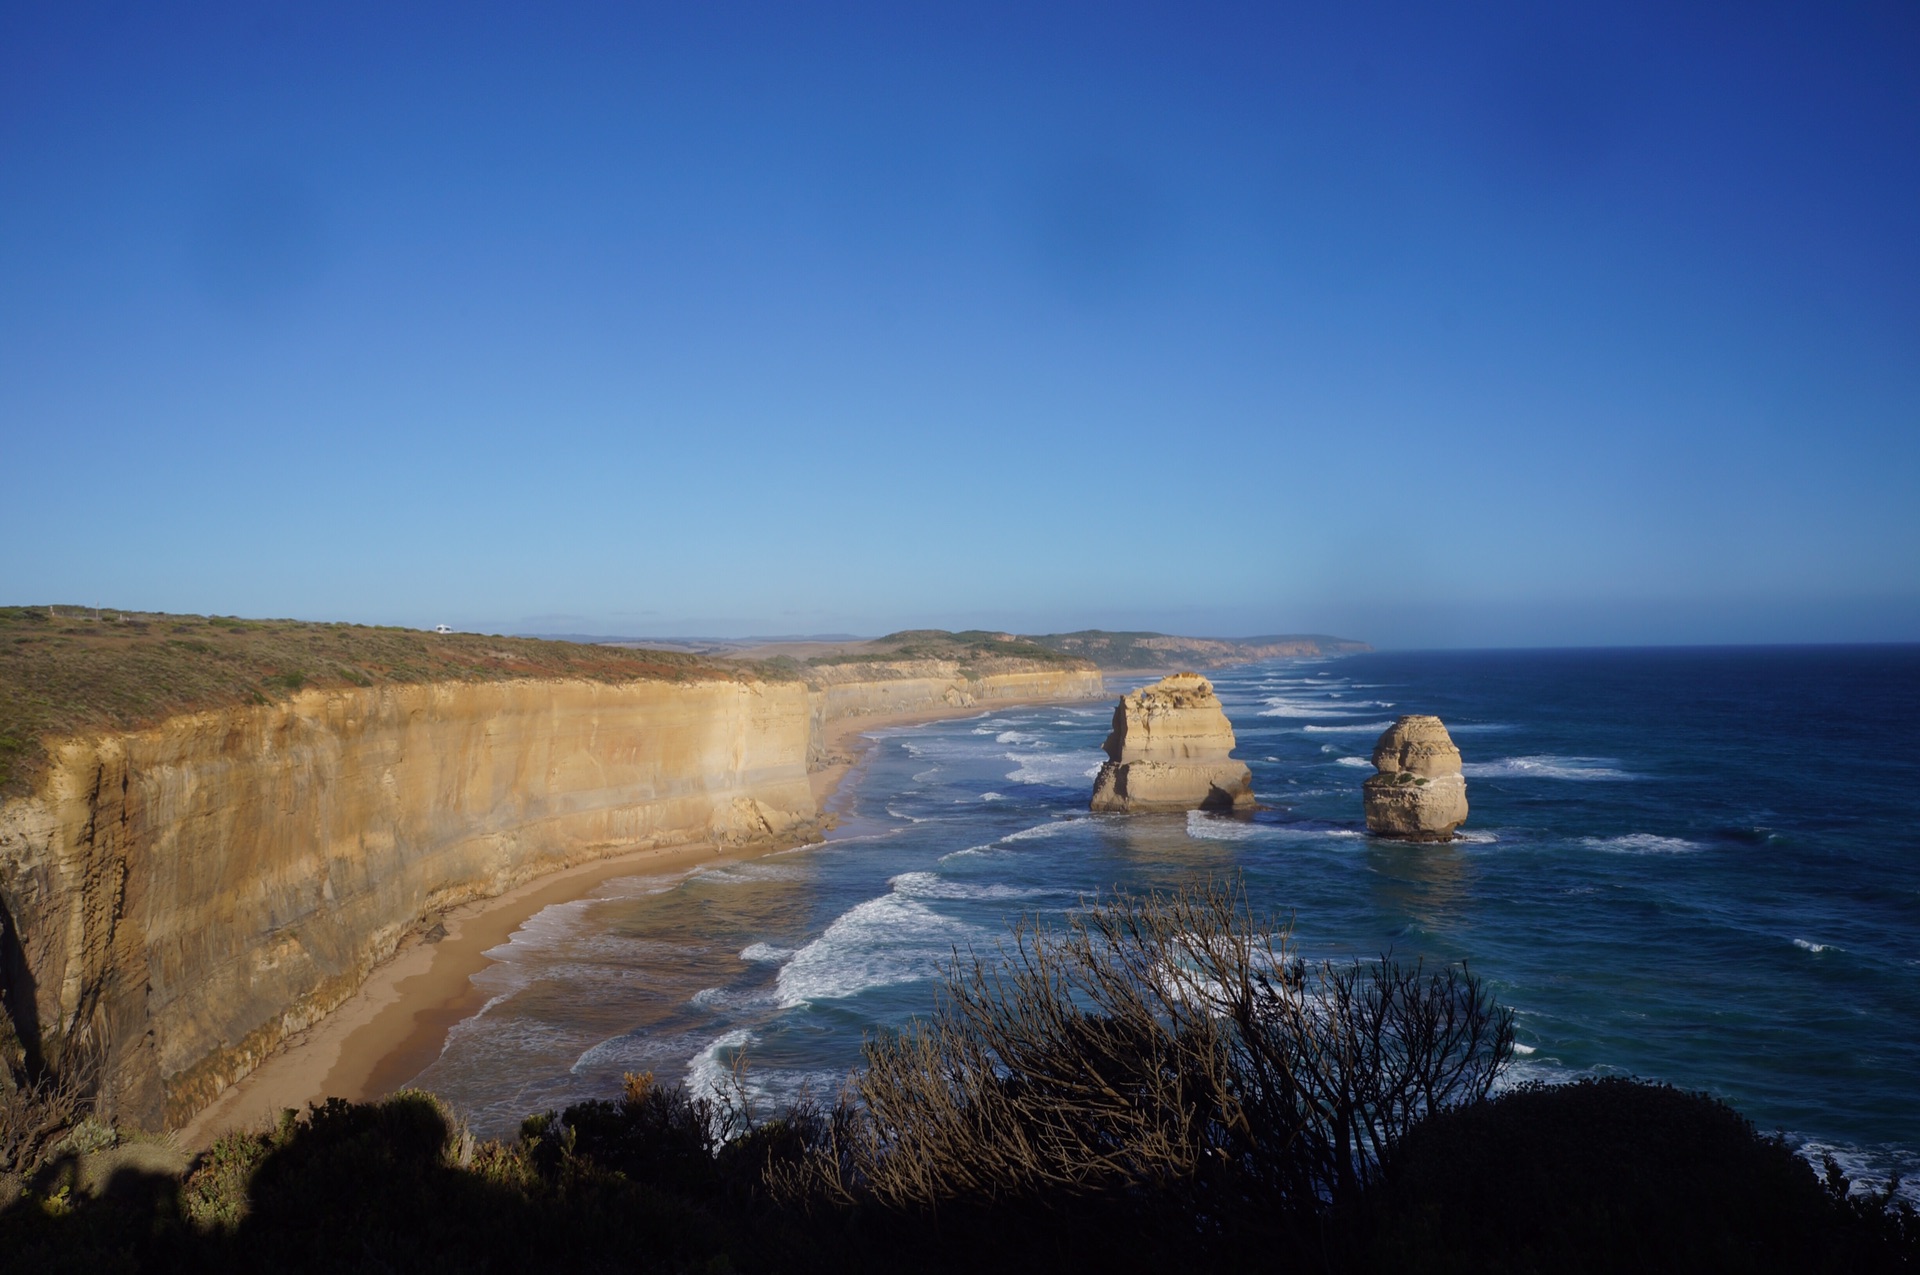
396, 1024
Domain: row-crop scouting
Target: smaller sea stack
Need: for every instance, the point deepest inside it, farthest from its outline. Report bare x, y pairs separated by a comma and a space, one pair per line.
1419, 794
1171, 749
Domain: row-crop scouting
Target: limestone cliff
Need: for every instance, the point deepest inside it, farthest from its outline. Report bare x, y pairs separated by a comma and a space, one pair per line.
1170, 749
1419, 793
184, 896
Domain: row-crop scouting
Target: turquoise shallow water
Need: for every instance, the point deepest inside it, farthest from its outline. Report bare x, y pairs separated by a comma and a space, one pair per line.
1700, 866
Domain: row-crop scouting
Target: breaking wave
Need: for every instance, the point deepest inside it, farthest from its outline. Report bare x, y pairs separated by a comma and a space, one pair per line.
1060, 770
1546, 767
1641, 843
891, 939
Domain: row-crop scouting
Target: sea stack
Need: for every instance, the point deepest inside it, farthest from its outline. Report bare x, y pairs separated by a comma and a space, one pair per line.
1171, 749
1419, 794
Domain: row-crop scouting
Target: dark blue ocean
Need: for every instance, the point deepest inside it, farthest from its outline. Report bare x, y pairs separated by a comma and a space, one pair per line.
1700, 866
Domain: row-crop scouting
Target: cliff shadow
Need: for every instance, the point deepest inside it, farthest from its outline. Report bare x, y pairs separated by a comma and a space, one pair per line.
21, 1049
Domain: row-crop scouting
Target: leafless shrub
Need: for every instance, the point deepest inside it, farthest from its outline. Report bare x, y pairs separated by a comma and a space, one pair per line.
36, 1113
1170, 1045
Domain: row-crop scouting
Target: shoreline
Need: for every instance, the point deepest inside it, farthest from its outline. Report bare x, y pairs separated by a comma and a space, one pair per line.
396, 1023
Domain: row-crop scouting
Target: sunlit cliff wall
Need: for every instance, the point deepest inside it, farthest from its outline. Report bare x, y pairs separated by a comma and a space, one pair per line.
180, 899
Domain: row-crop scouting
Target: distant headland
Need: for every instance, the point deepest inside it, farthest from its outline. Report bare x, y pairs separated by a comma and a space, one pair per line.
1131, 651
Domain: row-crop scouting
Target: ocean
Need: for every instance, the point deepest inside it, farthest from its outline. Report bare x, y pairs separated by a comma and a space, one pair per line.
1698, 866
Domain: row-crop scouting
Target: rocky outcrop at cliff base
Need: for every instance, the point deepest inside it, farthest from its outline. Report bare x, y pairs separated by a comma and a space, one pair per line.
1171, 749
1419, 793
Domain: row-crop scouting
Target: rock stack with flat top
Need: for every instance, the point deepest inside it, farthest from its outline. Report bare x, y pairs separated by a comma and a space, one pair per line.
1171, 749
1419, 794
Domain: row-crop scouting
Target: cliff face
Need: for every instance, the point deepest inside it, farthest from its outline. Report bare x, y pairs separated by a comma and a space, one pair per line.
1419, 793
192, 893
1171, 749
184, 897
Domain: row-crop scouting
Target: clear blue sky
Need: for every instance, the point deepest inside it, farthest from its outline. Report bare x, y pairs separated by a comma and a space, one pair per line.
1431, 324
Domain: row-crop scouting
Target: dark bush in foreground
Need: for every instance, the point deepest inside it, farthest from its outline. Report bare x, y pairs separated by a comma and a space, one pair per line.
1619, 1175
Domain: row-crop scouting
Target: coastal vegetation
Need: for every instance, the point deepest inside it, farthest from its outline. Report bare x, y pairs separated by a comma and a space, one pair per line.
940, 644
1141, 651
1162, 1083
66, 669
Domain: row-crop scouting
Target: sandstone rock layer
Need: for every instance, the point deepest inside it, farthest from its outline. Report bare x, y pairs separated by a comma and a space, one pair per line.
185, 897
1419, 793
1170, 749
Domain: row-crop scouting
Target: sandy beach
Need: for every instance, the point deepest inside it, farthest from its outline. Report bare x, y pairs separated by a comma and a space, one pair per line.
396, 1024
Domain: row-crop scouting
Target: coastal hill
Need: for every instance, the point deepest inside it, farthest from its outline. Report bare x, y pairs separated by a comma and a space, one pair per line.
1111, 652
1160, 652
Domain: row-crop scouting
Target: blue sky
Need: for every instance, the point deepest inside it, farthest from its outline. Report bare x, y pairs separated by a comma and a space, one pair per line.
1433, 325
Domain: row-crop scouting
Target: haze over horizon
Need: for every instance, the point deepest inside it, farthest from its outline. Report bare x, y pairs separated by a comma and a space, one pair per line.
1430, 329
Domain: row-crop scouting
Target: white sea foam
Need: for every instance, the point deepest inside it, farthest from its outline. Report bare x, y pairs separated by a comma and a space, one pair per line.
711, 1071
1015, 737
639, 887
901, 814
1476, 837
931, 885
1367, 728
1291, 706
1867, 1168
1049, 829
1808, 946
891, 939
1205, 827
1061, 770
1355, 761
1546, 767
764, 954
1522, 1050
631, 1051
992, 796
1641, 843
749, 873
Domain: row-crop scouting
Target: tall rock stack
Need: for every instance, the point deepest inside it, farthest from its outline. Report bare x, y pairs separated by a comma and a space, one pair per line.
1171, 749
1419, 794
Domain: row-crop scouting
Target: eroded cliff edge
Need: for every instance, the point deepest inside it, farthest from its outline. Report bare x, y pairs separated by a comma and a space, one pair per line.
183, 897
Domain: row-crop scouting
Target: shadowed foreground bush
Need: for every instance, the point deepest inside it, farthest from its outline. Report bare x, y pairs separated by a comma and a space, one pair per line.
1160, 1085
1615, 1174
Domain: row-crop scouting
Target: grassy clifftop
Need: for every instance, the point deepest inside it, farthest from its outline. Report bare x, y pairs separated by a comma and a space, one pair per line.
1155, 651
970, 647
68, 669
